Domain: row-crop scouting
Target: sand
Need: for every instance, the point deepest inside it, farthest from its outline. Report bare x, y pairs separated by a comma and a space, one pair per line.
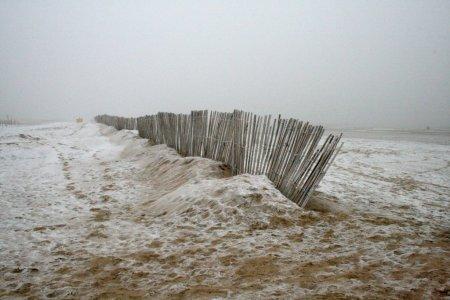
89, 212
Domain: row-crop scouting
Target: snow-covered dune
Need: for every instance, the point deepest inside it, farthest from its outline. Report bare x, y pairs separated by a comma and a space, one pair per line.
88, 211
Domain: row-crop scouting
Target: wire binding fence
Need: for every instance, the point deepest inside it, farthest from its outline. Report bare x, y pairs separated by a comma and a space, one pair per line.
287, 151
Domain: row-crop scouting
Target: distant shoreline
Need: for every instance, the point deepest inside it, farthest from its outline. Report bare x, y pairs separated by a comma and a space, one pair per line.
432, 136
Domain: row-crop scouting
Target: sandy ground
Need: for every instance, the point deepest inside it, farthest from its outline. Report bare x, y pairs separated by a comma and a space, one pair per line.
88, 212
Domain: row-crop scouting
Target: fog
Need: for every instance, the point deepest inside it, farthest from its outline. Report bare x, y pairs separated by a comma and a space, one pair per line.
342, 64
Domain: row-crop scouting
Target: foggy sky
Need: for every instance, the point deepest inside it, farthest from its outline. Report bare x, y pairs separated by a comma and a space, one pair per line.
338, 63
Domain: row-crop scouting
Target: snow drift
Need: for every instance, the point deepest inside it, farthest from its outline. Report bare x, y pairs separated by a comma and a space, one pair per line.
200, 186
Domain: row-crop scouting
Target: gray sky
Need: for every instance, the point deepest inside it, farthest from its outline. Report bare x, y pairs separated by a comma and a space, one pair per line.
339, 63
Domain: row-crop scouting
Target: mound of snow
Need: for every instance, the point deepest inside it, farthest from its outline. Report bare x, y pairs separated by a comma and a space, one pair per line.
196, 187
244, 199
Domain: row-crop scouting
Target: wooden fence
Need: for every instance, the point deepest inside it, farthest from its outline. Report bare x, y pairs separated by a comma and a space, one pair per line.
8, 121
288, 151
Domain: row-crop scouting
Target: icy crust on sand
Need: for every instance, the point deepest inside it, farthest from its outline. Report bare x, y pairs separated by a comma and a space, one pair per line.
240, 199
401, 179
91, 212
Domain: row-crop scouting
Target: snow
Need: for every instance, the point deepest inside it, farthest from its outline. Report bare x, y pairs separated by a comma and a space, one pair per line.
91, 212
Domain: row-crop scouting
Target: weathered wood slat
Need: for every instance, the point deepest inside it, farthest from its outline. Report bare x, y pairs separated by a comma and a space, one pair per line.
285, 150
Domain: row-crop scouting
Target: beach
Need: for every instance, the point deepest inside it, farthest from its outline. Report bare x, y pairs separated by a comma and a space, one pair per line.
91, 212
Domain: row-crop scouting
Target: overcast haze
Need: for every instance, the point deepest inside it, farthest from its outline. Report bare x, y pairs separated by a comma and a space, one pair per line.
344, 63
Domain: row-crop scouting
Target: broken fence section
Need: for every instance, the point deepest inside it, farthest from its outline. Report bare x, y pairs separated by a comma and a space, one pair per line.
287, 151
